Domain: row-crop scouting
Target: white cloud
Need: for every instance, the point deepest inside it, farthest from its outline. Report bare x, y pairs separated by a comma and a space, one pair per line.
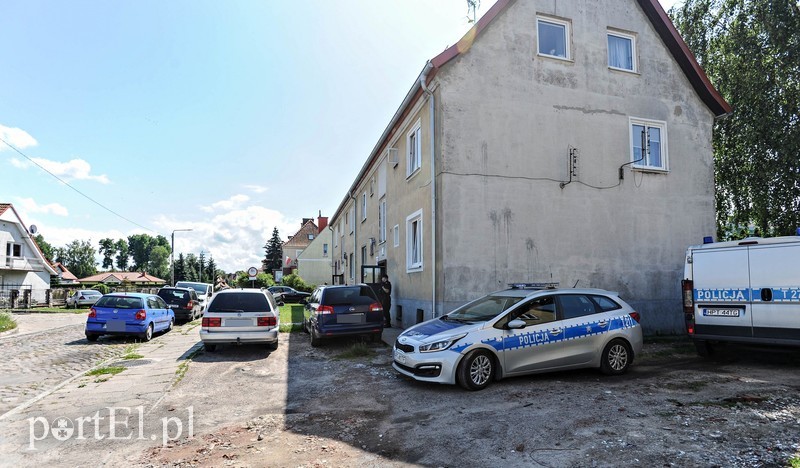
256, 188
229, 204
74, 169
29, 205
17, 137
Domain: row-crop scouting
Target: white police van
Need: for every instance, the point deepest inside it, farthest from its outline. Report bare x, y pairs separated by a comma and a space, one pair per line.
744, 291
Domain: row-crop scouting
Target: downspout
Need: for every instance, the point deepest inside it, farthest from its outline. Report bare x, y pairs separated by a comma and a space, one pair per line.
431, 108
333, 271
355, 234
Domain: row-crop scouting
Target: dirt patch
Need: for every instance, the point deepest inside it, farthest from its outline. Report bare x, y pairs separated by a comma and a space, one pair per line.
302, 406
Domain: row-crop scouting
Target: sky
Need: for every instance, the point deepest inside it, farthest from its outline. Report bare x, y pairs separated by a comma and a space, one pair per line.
229, 118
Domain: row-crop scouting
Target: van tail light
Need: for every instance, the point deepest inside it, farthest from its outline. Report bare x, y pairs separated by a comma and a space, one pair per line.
635, 315
325, 310
211, 322
687, 287
92, 312
141, 314
376, 307
267, 321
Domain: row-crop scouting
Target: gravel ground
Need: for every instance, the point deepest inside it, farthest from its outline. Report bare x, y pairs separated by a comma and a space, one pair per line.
302, 406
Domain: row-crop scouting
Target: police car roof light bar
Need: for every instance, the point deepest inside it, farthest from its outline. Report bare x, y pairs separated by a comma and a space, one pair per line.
533, 285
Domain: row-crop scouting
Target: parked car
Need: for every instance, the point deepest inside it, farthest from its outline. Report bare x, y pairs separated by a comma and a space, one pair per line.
526, 329
333, 311
183, 302
204, 291
240, 316
83, 297
129, 314
287, 294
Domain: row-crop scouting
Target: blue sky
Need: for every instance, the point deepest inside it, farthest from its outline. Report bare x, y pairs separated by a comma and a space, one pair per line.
227, 118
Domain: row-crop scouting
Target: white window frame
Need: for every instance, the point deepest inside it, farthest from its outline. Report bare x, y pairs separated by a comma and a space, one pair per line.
567, 37
382, 220
10, 247
363, 207
324, 250
414, 242
396, 234
645, 164
414, 149
632, 39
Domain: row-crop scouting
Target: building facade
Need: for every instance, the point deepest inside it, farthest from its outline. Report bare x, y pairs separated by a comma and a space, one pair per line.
24, 271
560, 142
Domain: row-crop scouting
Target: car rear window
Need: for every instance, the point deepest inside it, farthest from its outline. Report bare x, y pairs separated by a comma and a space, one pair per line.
119, 302
239, 302
356, 295
173, 294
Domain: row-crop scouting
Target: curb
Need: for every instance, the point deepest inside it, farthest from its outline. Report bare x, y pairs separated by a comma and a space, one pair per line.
13, 331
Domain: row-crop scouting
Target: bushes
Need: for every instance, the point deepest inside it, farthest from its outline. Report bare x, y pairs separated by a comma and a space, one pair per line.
102, 288
296, 282
263, 280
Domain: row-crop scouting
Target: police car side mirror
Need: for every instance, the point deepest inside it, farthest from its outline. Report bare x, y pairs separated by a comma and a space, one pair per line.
516, 324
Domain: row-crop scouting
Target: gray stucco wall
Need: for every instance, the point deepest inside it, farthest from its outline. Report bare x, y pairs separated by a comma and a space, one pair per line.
509, 118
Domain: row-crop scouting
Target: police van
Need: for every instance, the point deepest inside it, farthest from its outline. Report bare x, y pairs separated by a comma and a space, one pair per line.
744, 291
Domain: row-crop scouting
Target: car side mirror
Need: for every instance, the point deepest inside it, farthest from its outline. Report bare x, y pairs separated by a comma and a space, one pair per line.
516, 324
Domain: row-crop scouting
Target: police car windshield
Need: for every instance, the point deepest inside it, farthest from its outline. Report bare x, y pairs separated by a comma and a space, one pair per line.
483, 309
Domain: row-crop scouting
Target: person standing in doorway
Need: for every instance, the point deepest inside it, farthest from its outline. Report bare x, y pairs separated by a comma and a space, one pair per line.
386, 300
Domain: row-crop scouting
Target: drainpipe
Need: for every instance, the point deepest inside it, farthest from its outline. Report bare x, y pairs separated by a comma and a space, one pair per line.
355, 235
333, 272
431, 107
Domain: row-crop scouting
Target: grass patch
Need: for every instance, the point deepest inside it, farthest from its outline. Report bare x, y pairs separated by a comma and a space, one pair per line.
183, 367
130, 356
7, 322
794, 462
111, 370
358, 350
291, 316
54, 310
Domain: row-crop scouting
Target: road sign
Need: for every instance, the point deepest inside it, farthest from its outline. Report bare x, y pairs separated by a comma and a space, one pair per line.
252, 272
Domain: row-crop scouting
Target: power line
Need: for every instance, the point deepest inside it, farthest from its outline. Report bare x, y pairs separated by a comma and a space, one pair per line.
73, 188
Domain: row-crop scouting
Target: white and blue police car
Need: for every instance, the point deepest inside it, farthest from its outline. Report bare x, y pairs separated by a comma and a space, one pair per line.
528, 328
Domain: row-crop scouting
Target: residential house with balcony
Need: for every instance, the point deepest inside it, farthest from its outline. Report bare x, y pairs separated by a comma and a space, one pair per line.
24, 271
560, 142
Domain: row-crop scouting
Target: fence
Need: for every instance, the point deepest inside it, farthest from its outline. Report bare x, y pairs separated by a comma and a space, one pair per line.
24, 296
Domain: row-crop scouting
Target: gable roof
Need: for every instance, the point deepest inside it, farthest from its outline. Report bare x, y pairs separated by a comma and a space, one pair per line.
4, 207
652, 9
300, 239
66, 275
120, 276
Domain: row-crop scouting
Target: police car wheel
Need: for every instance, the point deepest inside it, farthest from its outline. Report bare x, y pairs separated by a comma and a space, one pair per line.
476, 370
617, 358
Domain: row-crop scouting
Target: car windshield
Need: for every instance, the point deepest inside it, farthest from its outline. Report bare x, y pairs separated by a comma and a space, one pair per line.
119, 302
483, 309
236, 302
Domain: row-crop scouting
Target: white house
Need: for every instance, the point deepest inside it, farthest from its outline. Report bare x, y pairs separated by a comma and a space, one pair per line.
24, 271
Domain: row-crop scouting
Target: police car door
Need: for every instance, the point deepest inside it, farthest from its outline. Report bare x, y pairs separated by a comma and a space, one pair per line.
536, 346
775, 282
722, 292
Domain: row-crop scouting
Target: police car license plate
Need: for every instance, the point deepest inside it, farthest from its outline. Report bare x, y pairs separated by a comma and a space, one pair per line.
399, 356
721, 312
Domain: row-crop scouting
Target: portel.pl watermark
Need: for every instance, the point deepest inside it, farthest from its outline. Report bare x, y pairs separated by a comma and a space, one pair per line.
111, 423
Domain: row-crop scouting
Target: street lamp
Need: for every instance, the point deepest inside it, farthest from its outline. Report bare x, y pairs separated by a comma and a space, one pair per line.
172, 255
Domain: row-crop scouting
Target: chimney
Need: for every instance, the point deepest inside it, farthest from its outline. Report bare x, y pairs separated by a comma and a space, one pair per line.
322, 222
305, 220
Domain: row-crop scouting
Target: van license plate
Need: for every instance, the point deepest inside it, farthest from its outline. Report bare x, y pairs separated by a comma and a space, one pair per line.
721, 312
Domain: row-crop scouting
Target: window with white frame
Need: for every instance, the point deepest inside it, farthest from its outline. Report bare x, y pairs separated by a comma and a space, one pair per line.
414, 149
13, 250
382, 220
554, 37
364, 206
649, 144
324, 250
414, 242
396, 235
621, 51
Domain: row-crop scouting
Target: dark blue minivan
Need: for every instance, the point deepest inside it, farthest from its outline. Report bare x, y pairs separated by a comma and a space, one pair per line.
333, 311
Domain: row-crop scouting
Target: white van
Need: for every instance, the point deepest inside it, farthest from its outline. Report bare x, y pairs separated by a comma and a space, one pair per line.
204, 291
743, 291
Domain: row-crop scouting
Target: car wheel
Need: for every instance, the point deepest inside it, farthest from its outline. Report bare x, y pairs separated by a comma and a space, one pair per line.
316, 340
476, 370
171, 324
148, 334
210, 347
704, 348
617, 358
92, 337
272, 346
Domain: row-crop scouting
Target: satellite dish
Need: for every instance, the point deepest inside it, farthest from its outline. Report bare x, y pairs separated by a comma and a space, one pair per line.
33, 229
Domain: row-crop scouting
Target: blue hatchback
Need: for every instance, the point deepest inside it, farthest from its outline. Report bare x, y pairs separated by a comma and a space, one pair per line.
129, 314
333, 311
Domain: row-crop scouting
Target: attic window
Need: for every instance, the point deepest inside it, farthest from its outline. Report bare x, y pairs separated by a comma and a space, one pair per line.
554, 37
621, 51
14, 250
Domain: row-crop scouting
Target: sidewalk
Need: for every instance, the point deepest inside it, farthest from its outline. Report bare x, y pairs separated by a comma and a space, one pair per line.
390, 335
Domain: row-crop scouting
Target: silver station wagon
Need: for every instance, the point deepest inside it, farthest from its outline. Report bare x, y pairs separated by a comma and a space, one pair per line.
240, 316
528, 328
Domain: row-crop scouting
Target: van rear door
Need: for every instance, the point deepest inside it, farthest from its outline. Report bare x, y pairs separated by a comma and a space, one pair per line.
722, 292
775, 274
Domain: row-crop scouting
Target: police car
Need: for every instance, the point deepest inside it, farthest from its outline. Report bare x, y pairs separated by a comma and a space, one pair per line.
528, 328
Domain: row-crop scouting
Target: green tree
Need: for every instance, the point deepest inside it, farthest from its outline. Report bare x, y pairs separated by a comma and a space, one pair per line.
47, 249
201, 266
263, 280
211, 270
180, 268
108, 248
139, 246
273, 259
158, 265
190, 271
122, 255
750, 50
79, 258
